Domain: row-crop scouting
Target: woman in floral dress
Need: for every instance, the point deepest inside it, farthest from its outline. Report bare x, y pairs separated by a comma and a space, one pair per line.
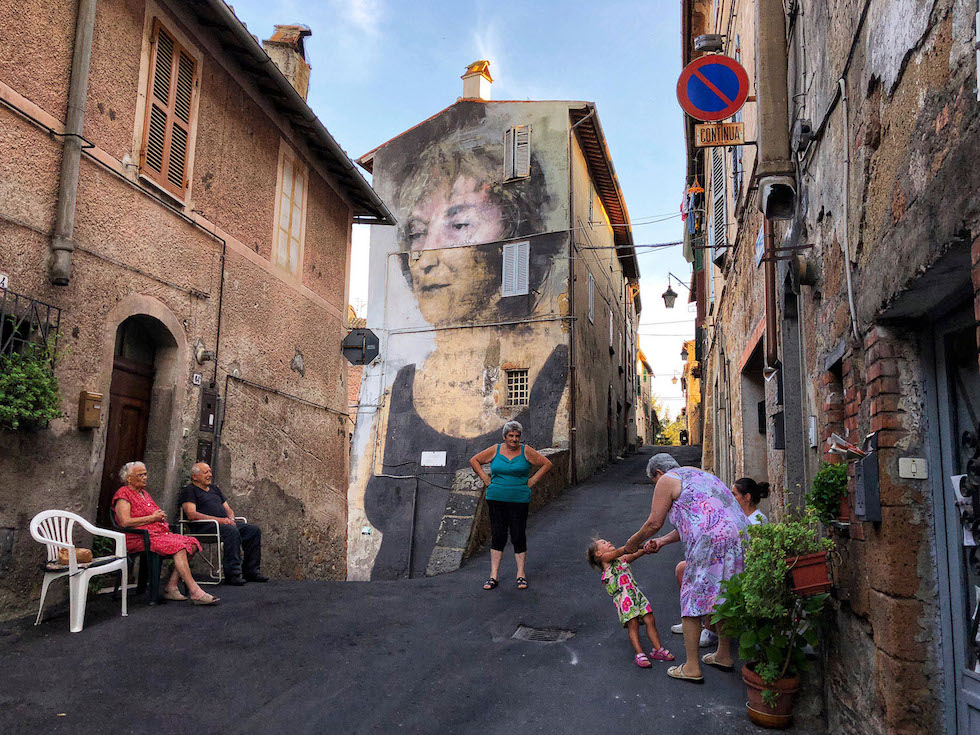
134, 508
709, 521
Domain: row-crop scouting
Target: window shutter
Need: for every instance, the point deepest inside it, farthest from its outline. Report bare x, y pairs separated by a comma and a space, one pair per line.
610, 327
591, 203
514, 271
509, 154
718, 214
168, 119
522, 151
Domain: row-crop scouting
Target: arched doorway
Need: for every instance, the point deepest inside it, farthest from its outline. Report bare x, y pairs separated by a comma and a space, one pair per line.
142, 343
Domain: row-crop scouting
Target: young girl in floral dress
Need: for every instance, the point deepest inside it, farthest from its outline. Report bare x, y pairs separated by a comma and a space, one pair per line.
631, 604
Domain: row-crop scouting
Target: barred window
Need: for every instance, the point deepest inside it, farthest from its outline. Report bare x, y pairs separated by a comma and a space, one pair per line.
518, 388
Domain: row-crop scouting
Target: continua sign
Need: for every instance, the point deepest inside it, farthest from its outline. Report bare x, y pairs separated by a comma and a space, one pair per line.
709, 136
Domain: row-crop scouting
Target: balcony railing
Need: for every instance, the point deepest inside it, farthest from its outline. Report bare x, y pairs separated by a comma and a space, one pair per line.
27, 323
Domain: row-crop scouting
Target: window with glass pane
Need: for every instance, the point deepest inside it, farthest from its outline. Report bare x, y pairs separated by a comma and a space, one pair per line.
291, 215
518, 388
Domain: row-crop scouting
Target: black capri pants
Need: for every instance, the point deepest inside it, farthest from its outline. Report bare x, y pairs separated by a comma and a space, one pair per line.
508, 518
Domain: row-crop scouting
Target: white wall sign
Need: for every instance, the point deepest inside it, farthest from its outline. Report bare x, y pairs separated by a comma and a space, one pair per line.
433, 459
4, 280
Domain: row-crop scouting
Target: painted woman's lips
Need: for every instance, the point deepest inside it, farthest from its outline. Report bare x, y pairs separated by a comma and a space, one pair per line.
435, 286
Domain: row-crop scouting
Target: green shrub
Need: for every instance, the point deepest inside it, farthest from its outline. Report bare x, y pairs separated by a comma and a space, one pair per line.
829, 486
760, 611
29, 395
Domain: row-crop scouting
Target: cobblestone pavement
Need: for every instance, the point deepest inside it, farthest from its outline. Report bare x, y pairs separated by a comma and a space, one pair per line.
420, 656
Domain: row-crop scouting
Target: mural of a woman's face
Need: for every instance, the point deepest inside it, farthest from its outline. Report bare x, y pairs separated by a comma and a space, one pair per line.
439, 233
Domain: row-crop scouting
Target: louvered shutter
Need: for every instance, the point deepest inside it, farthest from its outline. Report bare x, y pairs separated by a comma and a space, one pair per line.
514, 280
168, 114
718, 214
522, 151
610, 328
509, 154
591, 299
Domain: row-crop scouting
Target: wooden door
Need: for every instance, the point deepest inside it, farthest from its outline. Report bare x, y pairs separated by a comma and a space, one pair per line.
129, 414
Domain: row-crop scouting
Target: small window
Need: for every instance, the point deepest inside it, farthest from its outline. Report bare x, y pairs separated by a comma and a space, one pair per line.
518, 388
517, 152
610, 329
170, 94
591, 298
514, 271
290, 230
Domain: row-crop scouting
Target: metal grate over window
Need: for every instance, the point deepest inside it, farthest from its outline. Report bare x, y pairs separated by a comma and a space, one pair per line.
518, 388
26, 323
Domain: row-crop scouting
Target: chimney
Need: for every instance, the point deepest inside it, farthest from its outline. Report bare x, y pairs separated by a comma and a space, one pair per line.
477, 81
285, 48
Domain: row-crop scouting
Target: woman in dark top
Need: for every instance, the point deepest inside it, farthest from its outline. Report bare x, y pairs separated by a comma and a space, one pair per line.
509, 496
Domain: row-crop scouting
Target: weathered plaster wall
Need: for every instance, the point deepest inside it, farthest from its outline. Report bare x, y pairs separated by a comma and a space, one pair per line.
447, 334
282, 463
604, 403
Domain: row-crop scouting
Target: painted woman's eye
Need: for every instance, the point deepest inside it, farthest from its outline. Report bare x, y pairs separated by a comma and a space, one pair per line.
460, 225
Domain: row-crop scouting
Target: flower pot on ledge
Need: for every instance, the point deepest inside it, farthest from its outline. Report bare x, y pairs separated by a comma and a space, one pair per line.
809, 574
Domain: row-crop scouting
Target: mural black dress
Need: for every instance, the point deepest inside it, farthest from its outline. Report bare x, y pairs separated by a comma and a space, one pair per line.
388, 502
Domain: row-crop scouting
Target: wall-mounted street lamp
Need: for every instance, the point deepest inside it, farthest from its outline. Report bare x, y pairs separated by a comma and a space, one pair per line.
670, 295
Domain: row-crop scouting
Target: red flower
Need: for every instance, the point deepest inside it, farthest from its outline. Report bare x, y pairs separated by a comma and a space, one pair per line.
624, 580
627, 604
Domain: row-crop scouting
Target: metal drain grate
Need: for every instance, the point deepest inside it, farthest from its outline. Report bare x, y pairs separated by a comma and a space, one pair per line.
542, 635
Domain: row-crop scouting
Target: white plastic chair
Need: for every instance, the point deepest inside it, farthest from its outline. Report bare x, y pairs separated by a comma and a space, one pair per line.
216, 569
54, 529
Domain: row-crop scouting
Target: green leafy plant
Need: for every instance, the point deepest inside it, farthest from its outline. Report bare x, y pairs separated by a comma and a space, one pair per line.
829, 486
29, 395
770, 623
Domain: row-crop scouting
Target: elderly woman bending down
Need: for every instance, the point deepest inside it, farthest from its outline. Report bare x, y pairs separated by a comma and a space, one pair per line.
134, 508
509, 496
708, 520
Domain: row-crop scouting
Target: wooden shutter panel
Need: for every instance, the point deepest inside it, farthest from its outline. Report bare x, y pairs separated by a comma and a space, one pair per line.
509, 271
719, 215
523, 266
509, 154
522, 151
168, 119
591, 299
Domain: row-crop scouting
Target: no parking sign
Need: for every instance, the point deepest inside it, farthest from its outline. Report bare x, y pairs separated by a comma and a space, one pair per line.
712, 88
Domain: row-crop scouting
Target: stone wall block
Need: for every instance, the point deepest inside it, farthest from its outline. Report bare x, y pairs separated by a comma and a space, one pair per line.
887, 402
894, 491
909, 695
893, 552
888, 420
897, 627
891, 438
882, 368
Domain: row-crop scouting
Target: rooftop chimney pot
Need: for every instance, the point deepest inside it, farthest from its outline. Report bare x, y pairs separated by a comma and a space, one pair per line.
477, 81
286, 50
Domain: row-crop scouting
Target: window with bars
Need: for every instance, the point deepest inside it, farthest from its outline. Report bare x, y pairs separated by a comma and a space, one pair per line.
290, 212
517, 152
170, 93
518, 387
514, 270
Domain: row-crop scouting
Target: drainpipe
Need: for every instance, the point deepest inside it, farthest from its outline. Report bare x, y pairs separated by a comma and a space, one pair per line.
777, 185
62, 244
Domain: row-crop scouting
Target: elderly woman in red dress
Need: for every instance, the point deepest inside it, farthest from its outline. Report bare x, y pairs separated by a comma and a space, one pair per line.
134, 508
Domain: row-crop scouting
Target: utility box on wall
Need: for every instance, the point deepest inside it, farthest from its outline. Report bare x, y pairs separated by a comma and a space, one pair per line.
867, 495
89, 410
209, 409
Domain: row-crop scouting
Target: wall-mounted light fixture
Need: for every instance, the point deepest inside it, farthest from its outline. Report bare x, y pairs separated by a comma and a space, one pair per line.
670, 295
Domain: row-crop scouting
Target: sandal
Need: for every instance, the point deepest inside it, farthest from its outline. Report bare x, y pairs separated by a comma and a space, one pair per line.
642, 661
173, 595
709, 659
521, 583
206, 599
661, 654
490, 584
677, 672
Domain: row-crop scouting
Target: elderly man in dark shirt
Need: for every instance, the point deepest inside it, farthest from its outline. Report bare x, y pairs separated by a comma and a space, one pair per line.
203, 501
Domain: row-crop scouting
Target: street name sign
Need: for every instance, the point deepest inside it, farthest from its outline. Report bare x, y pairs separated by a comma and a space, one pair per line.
711, 135
712, 88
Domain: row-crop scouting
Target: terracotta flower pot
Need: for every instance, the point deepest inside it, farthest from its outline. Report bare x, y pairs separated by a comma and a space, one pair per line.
809, 574
779, 716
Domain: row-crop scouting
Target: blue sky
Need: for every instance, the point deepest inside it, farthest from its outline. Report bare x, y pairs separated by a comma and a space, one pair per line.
382, 66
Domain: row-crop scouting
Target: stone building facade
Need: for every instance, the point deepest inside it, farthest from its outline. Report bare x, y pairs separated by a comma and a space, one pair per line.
508, 291
873, 330
198, 257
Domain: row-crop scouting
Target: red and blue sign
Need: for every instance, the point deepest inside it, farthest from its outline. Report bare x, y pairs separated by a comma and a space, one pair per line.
713, 88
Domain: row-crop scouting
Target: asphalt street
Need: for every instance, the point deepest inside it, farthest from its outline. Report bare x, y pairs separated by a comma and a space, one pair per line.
417, 656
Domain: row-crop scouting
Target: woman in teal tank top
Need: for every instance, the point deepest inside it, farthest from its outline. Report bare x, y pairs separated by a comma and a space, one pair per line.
509, 496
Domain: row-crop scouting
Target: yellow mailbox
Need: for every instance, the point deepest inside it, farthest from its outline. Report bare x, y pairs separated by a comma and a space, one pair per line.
89, 410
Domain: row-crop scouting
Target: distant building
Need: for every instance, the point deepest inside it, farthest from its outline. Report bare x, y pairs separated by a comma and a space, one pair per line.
647, 421
691, 388
192, 256
508, 291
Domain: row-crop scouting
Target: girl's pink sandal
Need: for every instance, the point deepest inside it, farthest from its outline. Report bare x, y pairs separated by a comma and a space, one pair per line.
642, 661
661, 654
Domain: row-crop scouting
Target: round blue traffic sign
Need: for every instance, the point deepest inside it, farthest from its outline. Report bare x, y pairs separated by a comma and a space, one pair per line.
712, 88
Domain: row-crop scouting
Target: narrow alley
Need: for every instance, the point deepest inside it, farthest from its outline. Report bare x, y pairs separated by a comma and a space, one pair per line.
420, 655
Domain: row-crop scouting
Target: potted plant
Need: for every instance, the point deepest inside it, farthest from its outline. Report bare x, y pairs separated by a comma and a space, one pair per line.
29, 395
772, 624
829, 494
